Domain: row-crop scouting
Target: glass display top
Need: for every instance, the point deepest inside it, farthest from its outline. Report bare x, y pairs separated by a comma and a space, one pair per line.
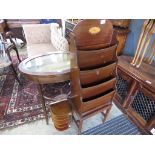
51, 62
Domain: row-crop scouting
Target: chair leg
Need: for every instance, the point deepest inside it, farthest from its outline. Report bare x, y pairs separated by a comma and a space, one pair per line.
72, 114
15, 48
80, 122
106, 114
15, 73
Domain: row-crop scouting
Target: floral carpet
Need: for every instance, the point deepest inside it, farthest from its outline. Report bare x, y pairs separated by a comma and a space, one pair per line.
20, 104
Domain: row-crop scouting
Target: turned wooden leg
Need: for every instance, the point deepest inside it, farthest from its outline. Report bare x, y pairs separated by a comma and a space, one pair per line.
15, 48
144, 51
12, 67
71, 113
42, 101
150, 52
147, 31
15, 73
140, 40
106, 114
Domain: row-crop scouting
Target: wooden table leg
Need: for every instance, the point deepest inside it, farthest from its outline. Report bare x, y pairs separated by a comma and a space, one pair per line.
42, 101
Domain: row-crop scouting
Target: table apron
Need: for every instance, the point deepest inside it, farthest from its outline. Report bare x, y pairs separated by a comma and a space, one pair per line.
48, 78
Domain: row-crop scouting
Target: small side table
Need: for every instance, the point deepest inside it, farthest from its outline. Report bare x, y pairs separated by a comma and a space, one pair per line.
53, 67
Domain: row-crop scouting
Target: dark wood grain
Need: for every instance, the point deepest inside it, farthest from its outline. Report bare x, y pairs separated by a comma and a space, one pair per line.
93, 79
96, 57
45, 77
121, 30
92, 76
145, 74
141, 79
86, 40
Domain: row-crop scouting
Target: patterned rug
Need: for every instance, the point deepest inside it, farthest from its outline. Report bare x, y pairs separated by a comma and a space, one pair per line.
119, 125
20, 104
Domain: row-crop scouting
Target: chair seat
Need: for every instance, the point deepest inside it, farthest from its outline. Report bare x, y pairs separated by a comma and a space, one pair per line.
37, 49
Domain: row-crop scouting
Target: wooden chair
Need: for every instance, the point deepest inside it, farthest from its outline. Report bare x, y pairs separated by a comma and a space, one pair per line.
11, 45
5, 57
93, 80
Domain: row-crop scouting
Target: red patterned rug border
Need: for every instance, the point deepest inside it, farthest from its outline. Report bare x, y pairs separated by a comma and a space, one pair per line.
21, 121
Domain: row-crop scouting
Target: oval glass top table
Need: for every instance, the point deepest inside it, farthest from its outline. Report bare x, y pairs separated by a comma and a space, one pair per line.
50, 67
53, 67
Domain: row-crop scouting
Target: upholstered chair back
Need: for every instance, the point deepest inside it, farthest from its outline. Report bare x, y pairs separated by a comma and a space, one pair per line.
37, 33
44, 38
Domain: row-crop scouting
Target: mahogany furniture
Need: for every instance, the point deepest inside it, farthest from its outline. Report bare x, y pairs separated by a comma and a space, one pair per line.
121, 35
136, 92
141, 41
2, 26
120, 26
61, 115
10, 46
5, 56
15, 26
93, 80
8, 35
53, 67
148, 29
123, 23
